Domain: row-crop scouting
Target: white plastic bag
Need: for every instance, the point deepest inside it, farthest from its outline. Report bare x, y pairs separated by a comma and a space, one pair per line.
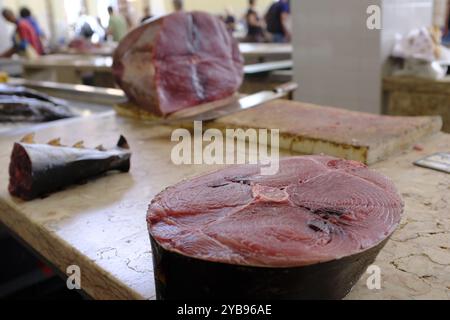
418, 44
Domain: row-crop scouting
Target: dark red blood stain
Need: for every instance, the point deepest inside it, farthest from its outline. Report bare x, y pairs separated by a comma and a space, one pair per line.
418, 147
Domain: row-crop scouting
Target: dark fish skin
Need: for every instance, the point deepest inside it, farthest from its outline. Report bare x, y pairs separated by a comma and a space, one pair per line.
18, 91
37, 170
179, 277
19, 104
20, 109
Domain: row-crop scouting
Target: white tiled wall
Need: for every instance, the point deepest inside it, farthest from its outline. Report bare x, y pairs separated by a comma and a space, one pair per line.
338, 60
402, 16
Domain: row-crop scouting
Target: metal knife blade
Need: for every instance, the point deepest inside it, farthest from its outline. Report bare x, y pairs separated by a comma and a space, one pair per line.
245, 103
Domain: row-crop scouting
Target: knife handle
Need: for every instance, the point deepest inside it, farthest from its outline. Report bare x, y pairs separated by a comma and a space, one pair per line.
286, 87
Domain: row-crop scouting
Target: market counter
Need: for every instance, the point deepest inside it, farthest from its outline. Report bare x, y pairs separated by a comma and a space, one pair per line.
101, 227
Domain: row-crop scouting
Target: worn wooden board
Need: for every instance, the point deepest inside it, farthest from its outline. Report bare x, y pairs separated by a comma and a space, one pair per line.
100, 226
313, 129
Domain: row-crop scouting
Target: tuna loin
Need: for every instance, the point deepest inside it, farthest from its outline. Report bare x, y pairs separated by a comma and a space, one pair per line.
178, 61
36, 170
308, 232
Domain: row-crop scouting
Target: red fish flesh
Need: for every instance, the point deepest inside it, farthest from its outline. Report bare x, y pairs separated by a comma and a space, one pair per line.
316, 209
178, 61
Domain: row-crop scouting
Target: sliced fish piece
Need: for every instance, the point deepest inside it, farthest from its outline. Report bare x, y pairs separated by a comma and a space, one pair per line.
37, 170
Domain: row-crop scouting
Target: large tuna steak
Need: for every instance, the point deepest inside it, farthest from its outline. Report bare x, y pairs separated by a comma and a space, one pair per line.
178, 61
308, 232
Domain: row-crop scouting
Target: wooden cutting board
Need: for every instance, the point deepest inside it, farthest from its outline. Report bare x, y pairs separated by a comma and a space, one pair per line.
312, 129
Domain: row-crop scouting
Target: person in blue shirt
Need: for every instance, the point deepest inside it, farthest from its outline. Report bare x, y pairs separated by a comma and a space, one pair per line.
277, 20
25, 13
25, 40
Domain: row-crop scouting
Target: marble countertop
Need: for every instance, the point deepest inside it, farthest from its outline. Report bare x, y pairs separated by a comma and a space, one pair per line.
100, 226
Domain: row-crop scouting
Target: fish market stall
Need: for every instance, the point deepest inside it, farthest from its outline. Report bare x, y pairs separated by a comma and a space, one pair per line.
251, 51
70, 69
73, 69
70, 66
100, 226
181, 180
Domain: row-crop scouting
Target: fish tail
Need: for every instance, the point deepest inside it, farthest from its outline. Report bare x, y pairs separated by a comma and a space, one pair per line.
123, 143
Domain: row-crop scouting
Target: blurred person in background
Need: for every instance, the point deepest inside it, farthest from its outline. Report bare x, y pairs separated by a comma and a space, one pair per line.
118, 26
230, 20
255, 25
26, 41
278, 21
178, 5
147, 14
89, 28
26, 14
89, 33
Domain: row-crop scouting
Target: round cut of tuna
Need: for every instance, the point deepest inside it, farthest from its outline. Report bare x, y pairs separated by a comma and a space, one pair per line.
315, 209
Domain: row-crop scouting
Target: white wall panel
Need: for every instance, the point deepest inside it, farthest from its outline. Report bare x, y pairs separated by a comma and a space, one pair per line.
338, 60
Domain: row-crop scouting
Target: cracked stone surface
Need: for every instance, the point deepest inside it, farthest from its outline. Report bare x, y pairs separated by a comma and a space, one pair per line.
415, 263
100, 226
